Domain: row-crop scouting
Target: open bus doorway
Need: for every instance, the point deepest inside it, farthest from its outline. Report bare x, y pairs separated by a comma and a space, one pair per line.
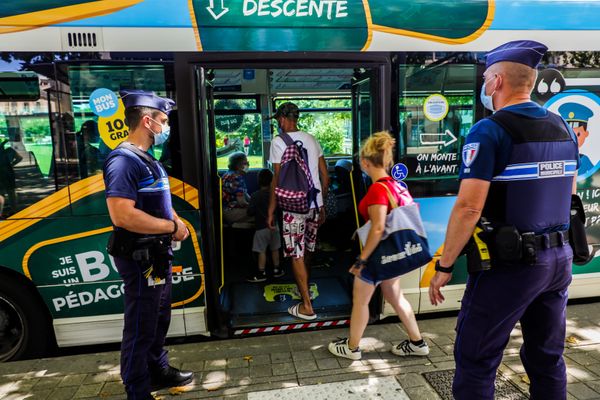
241, 100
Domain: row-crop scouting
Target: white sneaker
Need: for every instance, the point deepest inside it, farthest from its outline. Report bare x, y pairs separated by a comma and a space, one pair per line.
341, 349
406, 348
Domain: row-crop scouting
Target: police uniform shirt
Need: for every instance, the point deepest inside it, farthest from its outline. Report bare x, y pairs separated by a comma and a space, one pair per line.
487, 148
127, 176
487, 154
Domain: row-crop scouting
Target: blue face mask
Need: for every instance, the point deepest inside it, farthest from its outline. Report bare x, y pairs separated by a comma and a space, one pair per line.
163, 135
279, 130
487, 100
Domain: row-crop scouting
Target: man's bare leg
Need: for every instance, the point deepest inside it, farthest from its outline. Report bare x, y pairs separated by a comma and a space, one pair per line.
301, 276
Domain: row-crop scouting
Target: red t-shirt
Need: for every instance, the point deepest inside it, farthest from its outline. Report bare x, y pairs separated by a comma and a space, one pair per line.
378, 195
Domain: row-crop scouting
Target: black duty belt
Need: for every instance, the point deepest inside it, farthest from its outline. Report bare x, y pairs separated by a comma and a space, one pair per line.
551, 239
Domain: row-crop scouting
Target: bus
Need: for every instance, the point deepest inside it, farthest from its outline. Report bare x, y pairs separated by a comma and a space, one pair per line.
352, 67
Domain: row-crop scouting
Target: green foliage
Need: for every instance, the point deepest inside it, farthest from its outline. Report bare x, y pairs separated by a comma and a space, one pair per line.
249, 127
578, 59
329, 129
35, 129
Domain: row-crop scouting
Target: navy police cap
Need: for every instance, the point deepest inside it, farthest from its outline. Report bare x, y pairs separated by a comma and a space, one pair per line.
527, 52
142, 98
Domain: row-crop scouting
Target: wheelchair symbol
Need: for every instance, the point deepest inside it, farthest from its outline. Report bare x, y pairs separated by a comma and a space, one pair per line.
399, 172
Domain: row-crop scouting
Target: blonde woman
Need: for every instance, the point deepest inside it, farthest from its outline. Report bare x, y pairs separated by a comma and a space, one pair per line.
375, 160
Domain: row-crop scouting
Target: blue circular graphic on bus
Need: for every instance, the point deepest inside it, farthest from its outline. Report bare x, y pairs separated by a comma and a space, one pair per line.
104, 102
403, 185
399, 172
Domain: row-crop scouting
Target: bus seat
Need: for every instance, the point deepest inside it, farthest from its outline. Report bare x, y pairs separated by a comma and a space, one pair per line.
251, 178
342, 172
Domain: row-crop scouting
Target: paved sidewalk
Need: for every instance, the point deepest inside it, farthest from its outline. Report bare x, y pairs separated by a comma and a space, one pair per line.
238, 368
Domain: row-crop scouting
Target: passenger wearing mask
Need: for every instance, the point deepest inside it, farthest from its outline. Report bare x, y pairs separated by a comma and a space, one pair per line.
235, 191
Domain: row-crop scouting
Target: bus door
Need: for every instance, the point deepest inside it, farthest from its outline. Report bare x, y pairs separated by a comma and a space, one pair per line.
365, 121
237, 123
210, 200
436, 110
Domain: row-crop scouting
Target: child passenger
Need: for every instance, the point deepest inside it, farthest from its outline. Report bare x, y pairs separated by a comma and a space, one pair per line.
264, 237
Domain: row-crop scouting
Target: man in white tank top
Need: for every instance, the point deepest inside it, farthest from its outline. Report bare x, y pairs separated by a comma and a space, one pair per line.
299, 230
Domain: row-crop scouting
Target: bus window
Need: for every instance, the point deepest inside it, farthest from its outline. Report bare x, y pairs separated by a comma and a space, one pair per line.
238, 128
329, 120
28, 115
95, 134
436, 111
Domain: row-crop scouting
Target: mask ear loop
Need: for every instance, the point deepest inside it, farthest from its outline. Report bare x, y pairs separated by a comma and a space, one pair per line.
491, 95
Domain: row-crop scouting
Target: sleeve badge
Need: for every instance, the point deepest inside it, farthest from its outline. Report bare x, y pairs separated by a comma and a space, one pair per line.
469, 153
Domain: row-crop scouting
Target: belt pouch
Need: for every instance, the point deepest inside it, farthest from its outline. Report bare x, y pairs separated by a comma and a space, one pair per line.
508, 244
529, 248
121, 243
577, 235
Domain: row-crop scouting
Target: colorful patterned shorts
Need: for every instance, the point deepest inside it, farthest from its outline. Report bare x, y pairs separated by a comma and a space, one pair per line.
300, 232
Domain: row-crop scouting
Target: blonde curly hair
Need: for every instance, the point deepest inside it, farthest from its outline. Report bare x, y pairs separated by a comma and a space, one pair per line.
379, 149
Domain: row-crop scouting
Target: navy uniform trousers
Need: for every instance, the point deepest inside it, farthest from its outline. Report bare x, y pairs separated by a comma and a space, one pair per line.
147, 319
494, 300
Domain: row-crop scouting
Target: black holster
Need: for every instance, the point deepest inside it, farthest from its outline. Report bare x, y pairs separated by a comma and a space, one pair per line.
152, 253
504, 244
121, 243
577, 235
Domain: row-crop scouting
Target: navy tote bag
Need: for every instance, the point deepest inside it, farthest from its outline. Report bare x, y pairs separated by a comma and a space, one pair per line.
403, 246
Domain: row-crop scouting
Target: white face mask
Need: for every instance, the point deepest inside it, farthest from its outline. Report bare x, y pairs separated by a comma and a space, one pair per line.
163, 135
487, 100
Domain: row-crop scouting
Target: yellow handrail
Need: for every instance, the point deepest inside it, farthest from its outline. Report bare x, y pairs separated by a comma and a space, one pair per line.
354, 202
221, 232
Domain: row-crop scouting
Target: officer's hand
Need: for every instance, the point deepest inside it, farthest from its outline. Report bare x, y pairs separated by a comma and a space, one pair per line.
439, 280
182, 231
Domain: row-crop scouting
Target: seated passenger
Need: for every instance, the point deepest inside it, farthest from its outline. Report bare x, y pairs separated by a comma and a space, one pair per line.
235, 193
264, 236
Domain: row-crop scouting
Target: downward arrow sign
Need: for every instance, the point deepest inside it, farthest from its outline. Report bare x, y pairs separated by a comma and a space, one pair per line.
218, 14
447, 138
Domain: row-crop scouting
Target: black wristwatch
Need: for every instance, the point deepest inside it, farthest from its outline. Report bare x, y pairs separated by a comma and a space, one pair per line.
175, 228
439, 268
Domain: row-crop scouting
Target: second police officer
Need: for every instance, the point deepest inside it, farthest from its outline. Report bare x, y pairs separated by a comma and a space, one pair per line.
518, 173
139, 203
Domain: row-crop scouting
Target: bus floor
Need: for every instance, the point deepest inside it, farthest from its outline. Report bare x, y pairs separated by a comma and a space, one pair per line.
255, 304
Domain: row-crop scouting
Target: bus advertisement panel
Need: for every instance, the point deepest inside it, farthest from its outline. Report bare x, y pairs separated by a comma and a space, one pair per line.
352, 66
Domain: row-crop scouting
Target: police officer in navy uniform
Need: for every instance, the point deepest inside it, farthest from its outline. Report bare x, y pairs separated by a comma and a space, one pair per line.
139, 203
518, 173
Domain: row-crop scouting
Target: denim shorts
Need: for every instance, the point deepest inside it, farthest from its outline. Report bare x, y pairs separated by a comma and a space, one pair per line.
374, 274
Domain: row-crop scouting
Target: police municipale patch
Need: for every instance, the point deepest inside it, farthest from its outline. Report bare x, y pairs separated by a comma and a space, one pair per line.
469, 153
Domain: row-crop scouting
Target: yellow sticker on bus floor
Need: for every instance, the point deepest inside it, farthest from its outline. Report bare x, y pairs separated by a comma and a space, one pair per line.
288, 291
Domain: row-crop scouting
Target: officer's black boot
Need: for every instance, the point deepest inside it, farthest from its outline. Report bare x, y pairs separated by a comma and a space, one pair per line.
170, 377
